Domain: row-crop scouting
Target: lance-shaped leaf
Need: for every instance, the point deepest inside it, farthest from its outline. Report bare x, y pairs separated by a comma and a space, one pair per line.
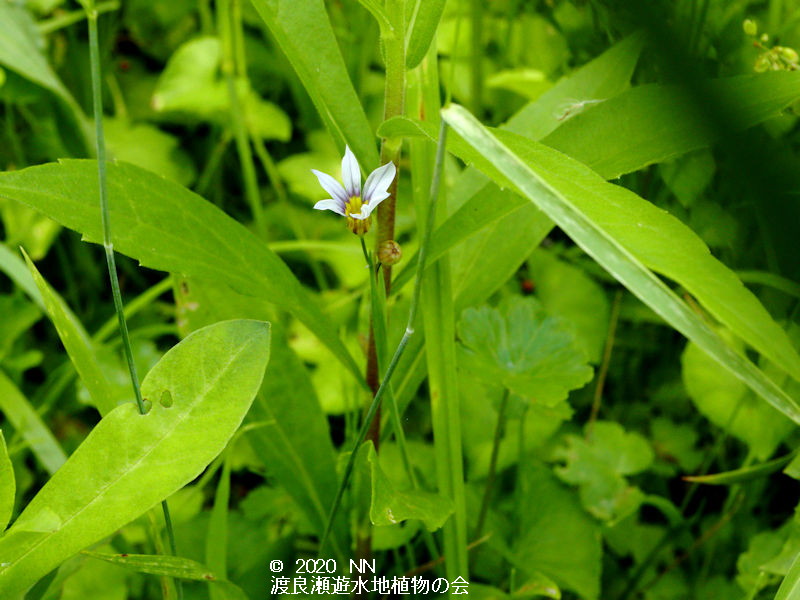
76, 342
27, 422
425, 17
623, 233
167, 227
131, 462
523, 349
304, 33
8, 485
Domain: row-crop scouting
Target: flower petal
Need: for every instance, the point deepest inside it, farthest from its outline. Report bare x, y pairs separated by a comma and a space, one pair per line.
378, 182
351, 173
331, 204
366, 209
330, 185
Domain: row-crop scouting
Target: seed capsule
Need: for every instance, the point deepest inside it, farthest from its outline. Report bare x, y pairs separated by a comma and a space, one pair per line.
389, 253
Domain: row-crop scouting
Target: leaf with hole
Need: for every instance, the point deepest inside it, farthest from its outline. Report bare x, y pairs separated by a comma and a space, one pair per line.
131, 462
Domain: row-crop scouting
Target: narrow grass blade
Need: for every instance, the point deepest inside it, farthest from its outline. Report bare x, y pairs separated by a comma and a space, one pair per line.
8, 485
29, 425
582, 225
304, 33
76, 342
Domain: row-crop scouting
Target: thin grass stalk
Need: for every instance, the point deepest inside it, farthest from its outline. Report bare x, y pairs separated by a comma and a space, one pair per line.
412, 313
97, 102
228, 23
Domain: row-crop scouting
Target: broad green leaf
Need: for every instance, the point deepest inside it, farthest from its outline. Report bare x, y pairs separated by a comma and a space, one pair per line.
729, 404
13, 266
20, 51
596, 81
521, 348
167, 227
148, 147
549, 515
295, 443
530, 83
8, 486
28, 424
765, 100
131, 462
76, 342
626, 235
566, 291
677, 445
190, 82
28, 228
191, 88
304, 33
653, 123
171, 566
389, 506
421, 29
599, 464
605, 76
84, 579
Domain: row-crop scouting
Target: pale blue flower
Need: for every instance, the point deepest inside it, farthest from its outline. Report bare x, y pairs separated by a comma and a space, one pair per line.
349, 200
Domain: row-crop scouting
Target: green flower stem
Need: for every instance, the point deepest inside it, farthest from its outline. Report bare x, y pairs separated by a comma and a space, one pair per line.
97, 100
212, 163
141, 301
378, 320
476, 58
490, 478
48, 26
412, 313
394, 53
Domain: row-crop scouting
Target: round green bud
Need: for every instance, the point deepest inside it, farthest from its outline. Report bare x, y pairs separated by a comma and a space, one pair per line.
389, 253
750, 27
762, 63
788, 54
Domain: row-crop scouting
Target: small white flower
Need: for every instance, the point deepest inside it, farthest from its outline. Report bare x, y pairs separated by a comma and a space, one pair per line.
348, 200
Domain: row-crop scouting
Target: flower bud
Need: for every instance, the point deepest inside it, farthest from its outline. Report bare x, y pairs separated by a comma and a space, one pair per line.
762, 63
788, 54
389, 253
750, 27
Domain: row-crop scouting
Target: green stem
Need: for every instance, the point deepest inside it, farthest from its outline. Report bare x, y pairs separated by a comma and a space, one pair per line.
94, 54
142, 300
412, 313
229, 22
476, 59
378, 319
97, 100
490, 478
61, 21
601, 375
212, 163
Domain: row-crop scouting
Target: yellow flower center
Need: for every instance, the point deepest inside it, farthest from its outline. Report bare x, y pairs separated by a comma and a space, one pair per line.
353, 207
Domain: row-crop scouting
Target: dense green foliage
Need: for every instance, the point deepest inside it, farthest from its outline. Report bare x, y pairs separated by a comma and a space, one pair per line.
584, 369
